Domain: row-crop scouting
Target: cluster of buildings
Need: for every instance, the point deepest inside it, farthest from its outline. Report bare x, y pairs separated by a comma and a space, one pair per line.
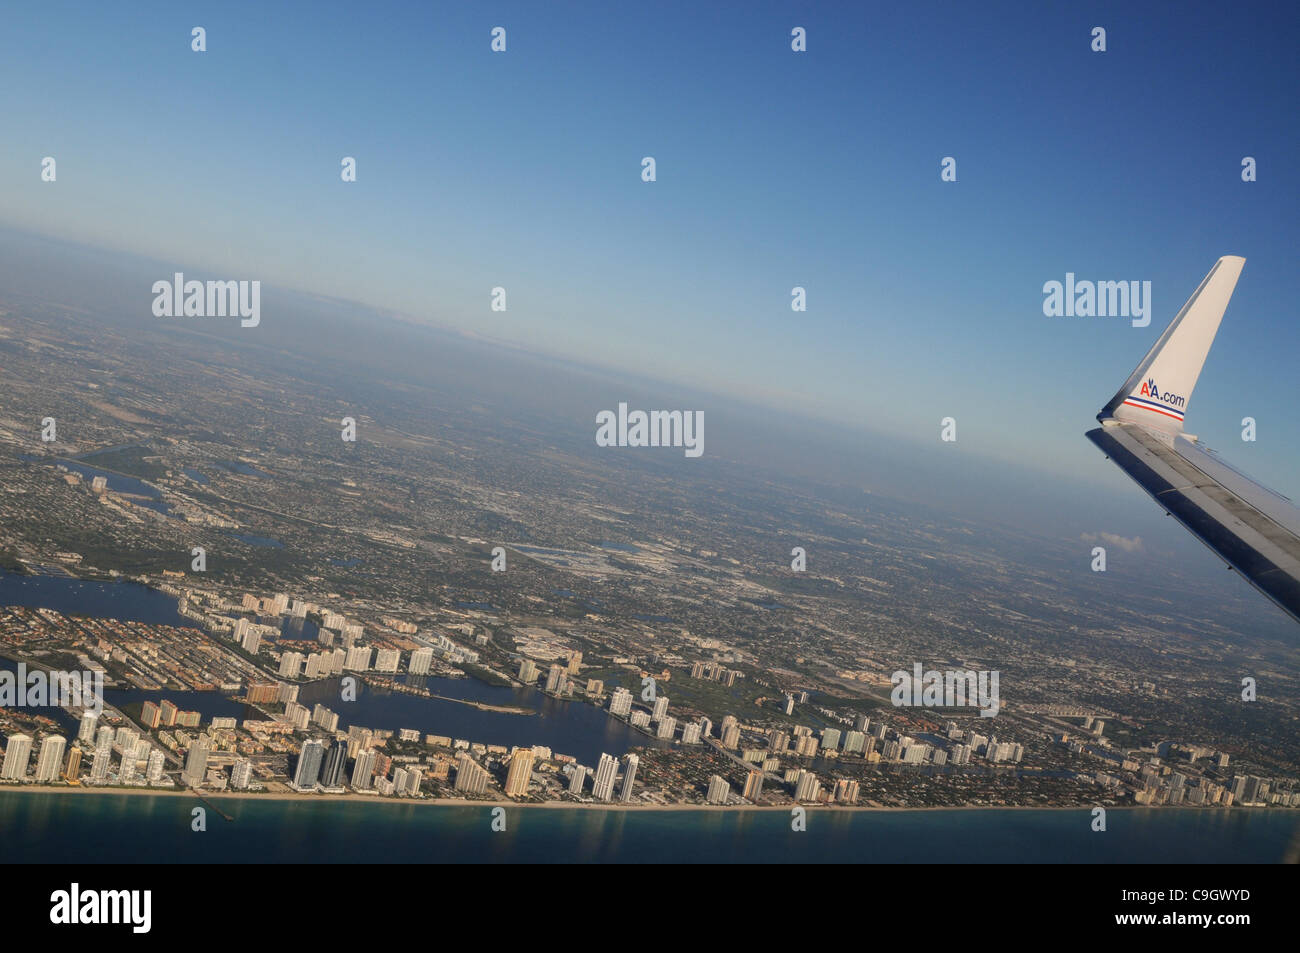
90, 758
561, 675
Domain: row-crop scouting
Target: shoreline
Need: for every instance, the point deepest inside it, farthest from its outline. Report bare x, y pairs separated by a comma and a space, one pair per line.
280, 796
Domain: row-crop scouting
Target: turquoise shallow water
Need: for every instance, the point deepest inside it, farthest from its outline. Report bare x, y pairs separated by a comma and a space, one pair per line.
60, 828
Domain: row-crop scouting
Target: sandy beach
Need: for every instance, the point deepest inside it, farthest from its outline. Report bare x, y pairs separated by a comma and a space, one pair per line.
557, 805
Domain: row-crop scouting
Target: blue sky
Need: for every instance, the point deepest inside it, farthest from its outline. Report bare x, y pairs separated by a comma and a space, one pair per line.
775, 169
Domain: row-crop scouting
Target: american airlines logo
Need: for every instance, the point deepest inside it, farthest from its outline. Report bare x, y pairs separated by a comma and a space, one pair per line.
1149, 389
1148, 394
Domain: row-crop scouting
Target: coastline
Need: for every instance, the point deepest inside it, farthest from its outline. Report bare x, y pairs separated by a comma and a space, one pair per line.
612, 806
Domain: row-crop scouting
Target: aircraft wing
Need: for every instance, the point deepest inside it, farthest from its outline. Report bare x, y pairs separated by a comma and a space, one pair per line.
1255, 530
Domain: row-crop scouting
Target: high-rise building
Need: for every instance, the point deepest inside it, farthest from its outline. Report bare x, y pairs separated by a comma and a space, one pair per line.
575, 662
169, 713
18, 751
309, 763
196, 761
150, 714
358, 659
731, 737
602, 788
413, 778
103, 760
72, 772
555, 678
521, 772
577, 778
290, 665
753, 786
331, 775
86, 733
471, 777
363, 768
327, 719
316, 665
719, 790
620, 702
629, 775
50, 759
387, 660
660, 709
667, 725
358, 738
296, 715
421, 661
831, 739
527, 671
807, 787
154, 769
788, 708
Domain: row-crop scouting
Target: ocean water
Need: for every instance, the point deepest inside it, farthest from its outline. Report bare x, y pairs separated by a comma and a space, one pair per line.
62, 828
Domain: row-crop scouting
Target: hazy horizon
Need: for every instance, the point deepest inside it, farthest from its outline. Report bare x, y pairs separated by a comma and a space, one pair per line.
924, 297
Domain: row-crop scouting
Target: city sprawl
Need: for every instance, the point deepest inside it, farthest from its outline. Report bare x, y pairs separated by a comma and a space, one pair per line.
464, 538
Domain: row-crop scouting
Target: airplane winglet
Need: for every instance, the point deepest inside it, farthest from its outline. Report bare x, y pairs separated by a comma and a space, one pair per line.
1158, 391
